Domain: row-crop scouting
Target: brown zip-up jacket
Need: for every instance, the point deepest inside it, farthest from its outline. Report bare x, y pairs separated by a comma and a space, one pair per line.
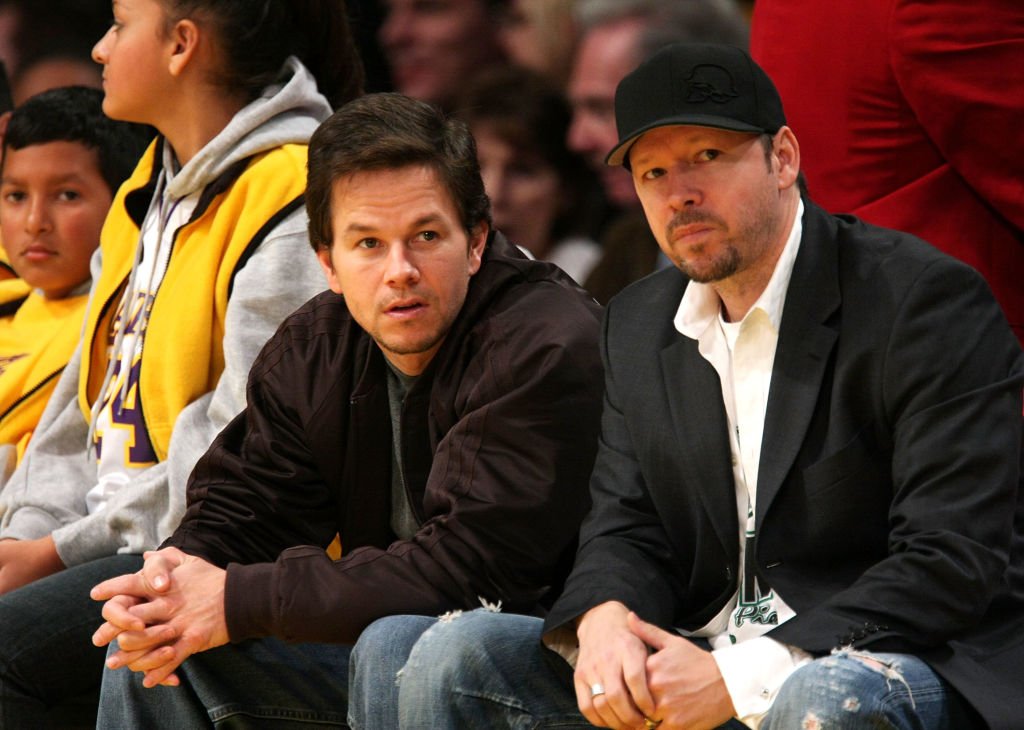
498, 438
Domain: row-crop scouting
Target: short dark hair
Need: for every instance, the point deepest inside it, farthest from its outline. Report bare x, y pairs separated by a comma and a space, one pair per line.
388, 131
75, 114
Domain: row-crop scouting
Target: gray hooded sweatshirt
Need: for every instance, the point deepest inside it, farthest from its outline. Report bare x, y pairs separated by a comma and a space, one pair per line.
46, 494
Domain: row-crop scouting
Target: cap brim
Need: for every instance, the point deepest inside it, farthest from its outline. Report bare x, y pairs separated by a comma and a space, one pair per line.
618, 154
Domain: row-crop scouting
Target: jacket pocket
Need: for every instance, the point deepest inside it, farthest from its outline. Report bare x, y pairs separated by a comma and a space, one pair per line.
857, 462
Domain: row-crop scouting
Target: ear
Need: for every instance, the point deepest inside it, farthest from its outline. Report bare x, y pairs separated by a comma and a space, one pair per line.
323, 255
786, 152
477, 243
184, 42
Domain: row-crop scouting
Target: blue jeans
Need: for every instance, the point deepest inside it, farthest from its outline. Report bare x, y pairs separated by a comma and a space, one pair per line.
262, 683
855, 689
488, 670
47, 659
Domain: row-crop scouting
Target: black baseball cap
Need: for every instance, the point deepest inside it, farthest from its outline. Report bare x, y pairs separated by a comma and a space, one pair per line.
695, 83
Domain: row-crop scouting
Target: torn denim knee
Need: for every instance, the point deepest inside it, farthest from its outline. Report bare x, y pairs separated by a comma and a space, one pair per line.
888, 668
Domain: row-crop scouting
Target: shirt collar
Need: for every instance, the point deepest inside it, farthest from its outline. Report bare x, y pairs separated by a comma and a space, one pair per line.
701, 305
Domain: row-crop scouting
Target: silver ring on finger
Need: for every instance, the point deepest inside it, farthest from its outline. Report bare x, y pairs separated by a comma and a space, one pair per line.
596, 689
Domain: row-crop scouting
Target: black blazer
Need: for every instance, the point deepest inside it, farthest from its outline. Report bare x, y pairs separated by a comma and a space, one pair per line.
889, 512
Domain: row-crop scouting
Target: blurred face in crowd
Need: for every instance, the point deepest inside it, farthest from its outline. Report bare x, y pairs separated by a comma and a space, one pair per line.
53, 73
523, 187
53, 201
539, 35
606, 54
520, 36
402, 259
433, 46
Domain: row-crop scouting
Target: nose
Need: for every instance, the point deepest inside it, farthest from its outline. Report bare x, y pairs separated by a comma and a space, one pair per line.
684, 192
38, 219
401, 270
99, 51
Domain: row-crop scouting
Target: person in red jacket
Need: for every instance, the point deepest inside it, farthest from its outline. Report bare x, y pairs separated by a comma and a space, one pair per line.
908, 114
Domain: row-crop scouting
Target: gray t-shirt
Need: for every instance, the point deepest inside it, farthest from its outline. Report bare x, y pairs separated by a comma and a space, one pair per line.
403, 520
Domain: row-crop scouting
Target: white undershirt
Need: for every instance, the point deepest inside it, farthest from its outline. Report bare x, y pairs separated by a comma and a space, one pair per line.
743, 353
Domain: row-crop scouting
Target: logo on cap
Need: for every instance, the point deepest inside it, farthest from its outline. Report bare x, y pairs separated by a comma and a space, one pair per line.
708, 82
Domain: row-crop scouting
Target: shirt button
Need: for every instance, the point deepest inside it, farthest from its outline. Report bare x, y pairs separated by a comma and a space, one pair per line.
765, 693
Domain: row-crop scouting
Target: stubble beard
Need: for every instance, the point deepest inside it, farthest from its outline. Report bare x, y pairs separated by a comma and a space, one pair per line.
757, 230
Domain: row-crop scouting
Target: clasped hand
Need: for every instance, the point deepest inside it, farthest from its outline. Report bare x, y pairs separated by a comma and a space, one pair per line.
161, 615
646, 676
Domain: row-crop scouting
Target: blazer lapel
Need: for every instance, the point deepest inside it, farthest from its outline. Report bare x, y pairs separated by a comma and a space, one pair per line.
805, 345
694, 394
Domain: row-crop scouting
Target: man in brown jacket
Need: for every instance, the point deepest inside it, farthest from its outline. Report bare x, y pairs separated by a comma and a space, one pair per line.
437, 410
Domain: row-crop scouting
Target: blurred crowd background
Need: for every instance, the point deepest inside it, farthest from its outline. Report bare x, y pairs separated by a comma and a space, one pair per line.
522, 73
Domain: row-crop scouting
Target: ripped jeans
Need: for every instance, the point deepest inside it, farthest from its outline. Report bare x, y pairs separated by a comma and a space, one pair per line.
480, 669
856, 689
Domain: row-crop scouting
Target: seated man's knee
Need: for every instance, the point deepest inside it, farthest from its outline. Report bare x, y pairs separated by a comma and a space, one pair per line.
469, 642
838, 691
388, 641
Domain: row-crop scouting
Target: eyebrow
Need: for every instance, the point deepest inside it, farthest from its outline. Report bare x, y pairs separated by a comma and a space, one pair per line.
65, 179
424, 220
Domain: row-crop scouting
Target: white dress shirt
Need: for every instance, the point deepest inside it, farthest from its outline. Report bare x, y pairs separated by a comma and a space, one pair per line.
752, 665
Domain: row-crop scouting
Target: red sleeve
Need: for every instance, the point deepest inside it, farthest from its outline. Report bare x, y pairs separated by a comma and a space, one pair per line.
960, 66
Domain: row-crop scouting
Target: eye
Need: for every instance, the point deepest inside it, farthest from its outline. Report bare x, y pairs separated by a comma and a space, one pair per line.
69, 195
368, 243
707, 155
13, 196
428, 236
653, 174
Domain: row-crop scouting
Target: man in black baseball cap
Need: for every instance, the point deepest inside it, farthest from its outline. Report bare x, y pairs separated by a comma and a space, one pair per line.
695, 84
804, 499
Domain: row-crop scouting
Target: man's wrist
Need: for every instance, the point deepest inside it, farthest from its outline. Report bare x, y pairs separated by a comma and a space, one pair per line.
754, 671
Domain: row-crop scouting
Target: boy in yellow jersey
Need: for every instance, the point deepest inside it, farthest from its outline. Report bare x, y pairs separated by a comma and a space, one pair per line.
63, 160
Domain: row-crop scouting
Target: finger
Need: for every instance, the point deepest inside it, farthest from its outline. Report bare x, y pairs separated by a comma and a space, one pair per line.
171, 680
162, 673
613, 708
616, 706
634, 673
132, 659
585, 702
152, 660
117, 612
148, 638
156, 571
649, 633
105, 634
130, 585
155, 611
